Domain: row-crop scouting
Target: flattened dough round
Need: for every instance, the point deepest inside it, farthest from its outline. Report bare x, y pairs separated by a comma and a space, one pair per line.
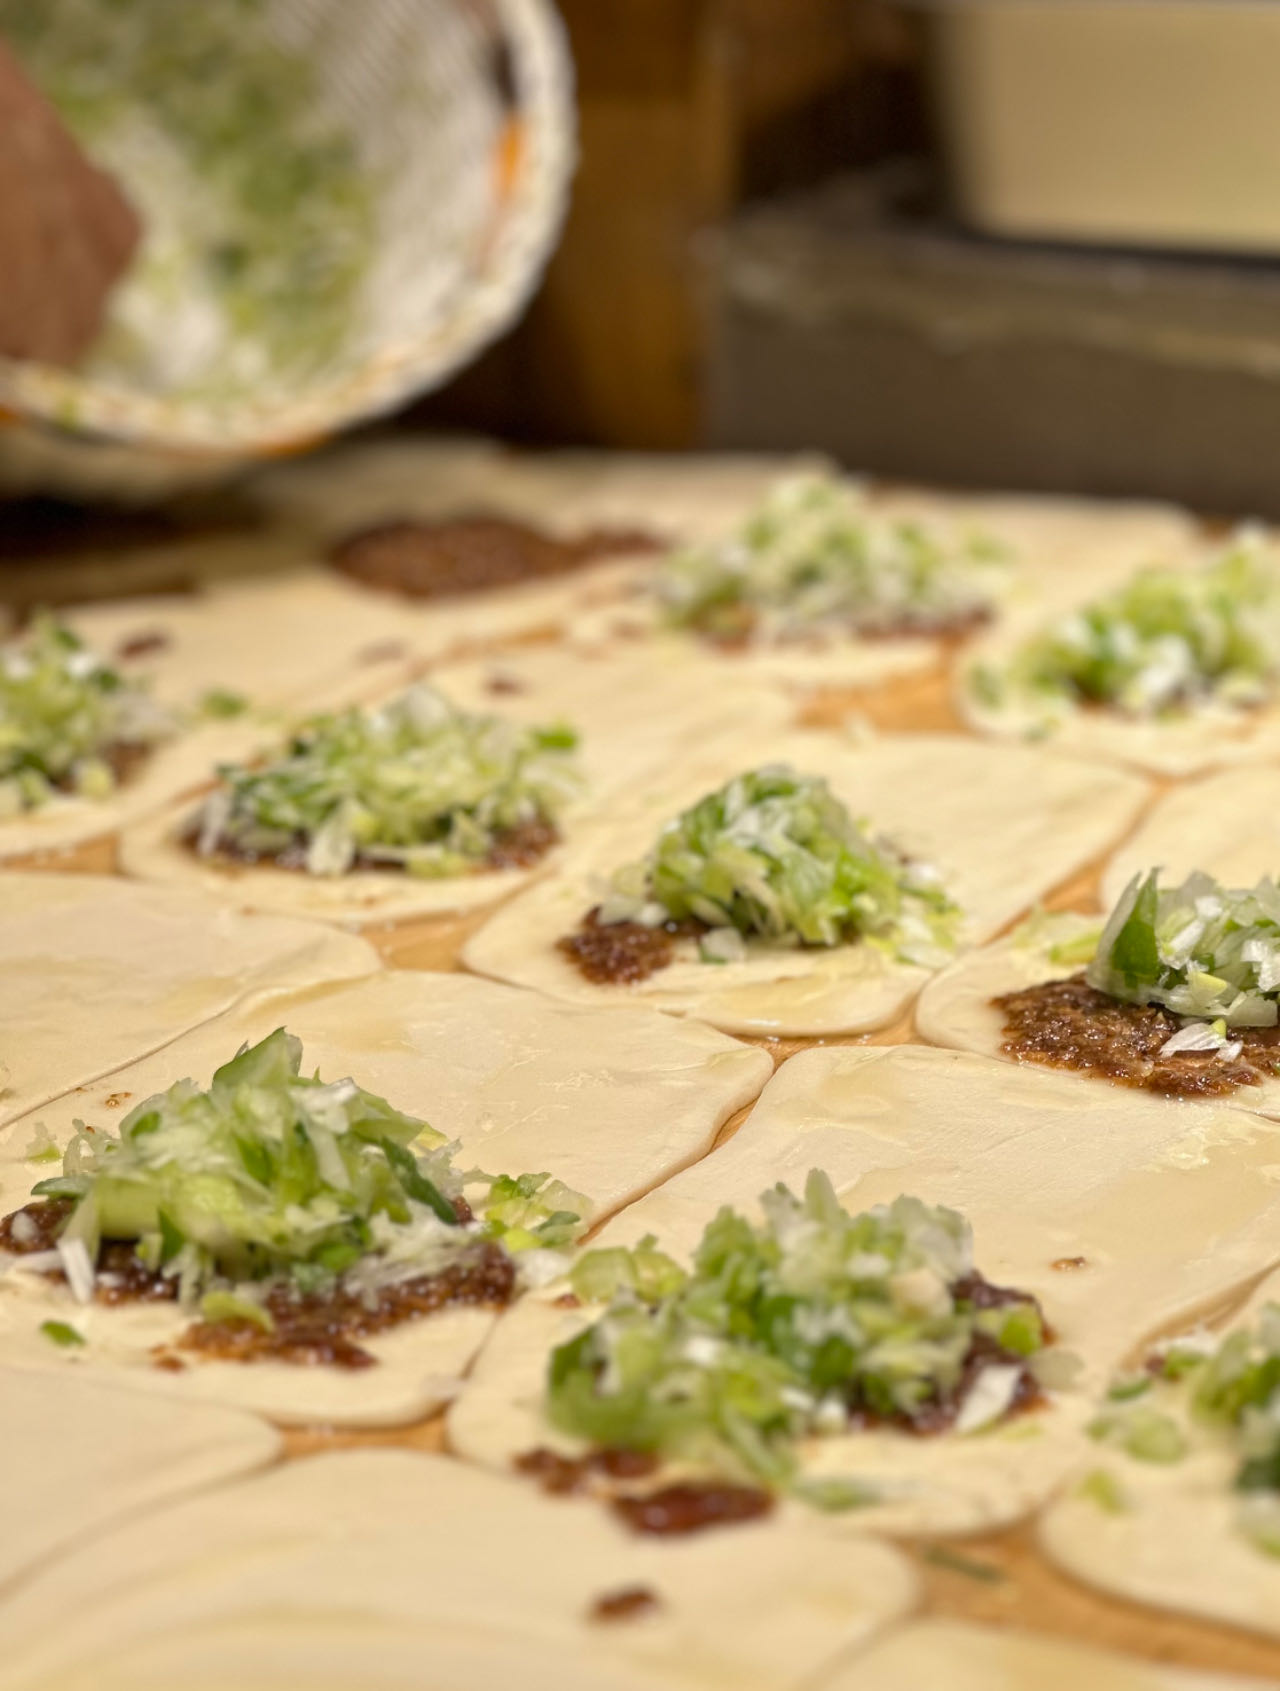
610, 1100
635, 716
1002, 824
78, 1457
1175, 1544
1051, 1190
98, 972
962, 1657
386, 1569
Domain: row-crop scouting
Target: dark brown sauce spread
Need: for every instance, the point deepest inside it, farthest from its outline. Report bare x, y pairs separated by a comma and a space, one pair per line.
519, 847
692, 1506
620, 953
1070, 1025
438, 560
125, 760
308, 1330
42, 1222
625, 1603
318, 1329
562, 1476
121, 1277
939, 1415
144, 644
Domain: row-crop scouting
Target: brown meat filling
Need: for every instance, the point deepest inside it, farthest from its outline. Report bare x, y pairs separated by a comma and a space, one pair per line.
307, 1330
438, 560
625, 1603
692, 1506
513, 848
323, 1329
689, 1506
122, 1278
620, 953
1070, 1025
685, 1507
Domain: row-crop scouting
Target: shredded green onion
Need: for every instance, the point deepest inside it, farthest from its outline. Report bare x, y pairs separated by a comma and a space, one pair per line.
813, 558
774, 854
270, 1175
1229, 1391
1167, 641
1209, 953
65, 717
797, 1326
414, 785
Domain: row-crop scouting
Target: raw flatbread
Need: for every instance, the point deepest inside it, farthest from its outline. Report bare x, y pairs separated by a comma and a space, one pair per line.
1003, 825
1059, 550
286, 640
1043, 1182
1227, 824
181, 765
1176, 1544
932, 1654
955, 1008
634, 715
391, 1570
610, 1100
79, 1457
677, 497
98, 972
1204, 738
1064, 550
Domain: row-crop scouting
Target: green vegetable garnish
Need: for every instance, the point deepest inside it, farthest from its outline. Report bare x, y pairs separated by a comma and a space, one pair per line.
1102, 1488
813, 557
1169, 640
796, 1326
1141, 1432
1229, 1392
219, 704
774, 854
65, 718
1207, 952
414, 784
273, 1175
60, 1333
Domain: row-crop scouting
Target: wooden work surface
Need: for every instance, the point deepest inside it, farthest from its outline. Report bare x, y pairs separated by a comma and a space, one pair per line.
999, 1578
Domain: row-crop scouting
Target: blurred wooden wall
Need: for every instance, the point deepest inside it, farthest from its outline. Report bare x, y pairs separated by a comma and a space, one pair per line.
687, 108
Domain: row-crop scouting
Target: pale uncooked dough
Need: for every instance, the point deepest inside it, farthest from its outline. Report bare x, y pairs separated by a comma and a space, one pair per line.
1003, 825
609, 1100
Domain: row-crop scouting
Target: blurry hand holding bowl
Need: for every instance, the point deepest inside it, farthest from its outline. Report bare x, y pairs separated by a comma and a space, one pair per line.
341, 205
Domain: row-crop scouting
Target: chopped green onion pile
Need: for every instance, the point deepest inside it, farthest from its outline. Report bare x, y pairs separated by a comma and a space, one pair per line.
775, 854
272, 1175
1167, 641
414, 784
1230, 1391
65, 715
786, 1329
813, 558
1207, 952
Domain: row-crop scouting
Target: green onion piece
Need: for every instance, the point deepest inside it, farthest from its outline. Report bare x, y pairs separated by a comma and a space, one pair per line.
60, 1333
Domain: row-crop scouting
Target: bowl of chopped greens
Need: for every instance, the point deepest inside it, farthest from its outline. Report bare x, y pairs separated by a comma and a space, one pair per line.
341, 205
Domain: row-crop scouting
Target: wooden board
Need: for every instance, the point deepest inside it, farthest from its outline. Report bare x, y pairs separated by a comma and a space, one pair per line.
998, 1578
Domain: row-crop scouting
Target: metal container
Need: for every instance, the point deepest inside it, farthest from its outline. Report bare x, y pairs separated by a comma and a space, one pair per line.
1120, 122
